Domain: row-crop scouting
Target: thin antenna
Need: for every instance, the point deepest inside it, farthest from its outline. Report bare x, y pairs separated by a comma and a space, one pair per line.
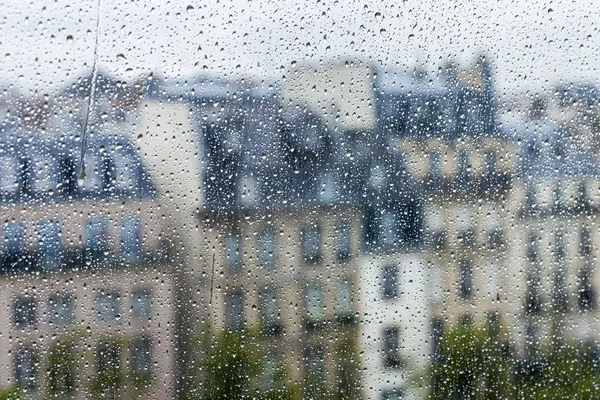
81, 174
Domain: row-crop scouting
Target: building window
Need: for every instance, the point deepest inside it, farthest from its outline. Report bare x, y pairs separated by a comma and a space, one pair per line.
43, 174
533, 248
466, 280
327, 190
585, 291
387, 229
61, 310
49, 244
142, 304
395, 394
530, 203
92, 181
466, 237
391, 347
390, 281
141, 357
310, 241
25, 313
266, 248
235, 311
344, 297
25, 368
269, 312
343, 242
248, 191
585, 242
435, 170
125, 171
9, 178
314, 303
107, 306
131, 239
96, 239
233, 257
14, 246
314, 359
462, 169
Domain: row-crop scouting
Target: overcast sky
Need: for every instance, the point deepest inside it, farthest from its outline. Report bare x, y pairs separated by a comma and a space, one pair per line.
533, 44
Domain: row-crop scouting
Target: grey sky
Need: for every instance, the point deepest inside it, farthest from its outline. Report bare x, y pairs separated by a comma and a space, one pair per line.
533, 43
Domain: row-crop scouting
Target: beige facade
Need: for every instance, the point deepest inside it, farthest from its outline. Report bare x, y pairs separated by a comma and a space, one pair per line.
519, 250
90, 320
312, 291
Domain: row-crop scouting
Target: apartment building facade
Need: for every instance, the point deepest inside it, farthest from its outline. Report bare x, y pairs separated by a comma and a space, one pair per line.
87, 271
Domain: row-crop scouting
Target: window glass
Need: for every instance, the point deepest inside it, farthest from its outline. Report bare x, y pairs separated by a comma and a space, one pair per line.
233, 254
300, 200
310, 240
61, 310
49, 244
25, 368
9, 179
142, 304
25, 313
390, 281
107, 306
131, 238
267, 248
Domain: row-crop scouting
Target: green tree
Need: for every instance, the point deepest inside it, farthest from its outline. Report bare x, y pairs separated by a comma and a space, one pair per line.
230, 365
472, 364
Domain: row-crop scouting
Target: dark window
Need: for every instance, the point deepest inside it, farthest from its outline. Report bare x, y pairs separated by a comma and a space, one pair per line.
25, 313
235, 311
438, 239
495, 237
344, 297
269, 312
435, 170
395, 394
61, 310
462, 168
388, 229
314, 302
25, 368
467, 237
313, 358
131, 239
233, 255
585, 242
466, 280
14, 246
343, 242
141, 356
266, 248
585, 290
107, 306
310, 241
96, 239
49, 244
530, 203
533, 248
391, 347
390, 281
142, 304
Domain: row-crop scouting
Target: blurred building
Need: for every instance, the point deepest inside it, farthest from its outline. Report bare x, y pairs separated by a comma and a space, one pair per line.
87, 298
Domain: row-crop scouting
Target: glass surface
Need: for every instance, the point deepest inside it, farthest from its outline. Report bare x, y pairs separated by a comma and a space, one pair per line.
300, 200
